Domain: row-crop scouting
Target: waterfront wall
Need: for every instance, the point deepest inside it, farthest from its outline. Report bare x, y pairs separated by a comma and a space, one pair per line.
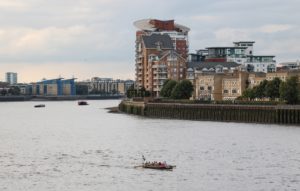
136, 108
215, 112
15, 98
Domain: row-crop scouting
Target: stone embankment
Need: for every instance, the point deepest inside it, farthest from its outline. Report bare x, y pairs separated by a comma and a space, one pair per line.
277, 114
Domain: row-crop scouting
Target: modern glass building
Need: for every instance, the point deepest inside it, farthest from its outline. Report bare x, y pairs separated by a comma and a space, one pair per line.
54, 87
11, 78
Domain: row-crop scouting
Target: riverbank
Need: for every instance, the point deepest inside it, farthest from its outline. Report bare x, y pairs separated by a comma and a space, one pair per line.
273, 114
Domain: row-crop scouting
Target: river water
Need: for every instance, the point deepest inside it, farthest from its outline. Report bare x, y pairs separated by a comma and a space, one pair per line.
67, 147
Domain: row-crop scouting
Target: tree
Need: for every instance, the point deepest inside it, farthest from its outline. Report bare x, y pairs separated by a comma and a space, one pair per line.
249, 93
167, 88
289, 90
3, 92
132, 92
14, 91
182, 90
260, 89
272, 88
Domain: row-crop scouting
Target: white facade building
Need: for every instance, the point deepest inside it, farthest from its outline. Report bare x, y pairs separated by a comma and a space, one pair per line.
242, 53
261, 64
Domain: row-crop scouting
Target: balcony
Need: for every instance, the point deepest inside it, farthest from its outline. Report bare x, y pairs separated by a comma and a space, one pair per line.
160, 77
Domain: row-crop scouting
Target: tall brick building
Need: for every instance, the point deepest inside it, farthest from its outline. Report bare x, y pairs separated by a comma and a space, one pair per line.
161, 53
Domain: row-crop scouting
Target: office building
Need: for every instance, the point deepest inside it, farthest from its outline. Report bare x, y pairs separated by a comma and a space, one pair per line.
54, 87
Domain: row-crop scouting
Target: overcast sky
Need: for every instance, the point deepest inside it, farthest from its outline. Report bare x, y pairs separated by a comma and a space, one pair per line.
86, 38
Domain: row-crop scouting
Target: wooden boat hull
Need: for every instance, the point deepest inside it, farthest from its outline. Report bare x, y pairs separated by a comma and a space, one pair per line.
156, 167
82, 103
41, 105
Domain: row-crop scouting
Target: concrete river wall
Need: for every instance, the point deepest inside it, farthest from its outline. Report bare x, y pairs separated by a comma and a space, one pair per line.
282, 114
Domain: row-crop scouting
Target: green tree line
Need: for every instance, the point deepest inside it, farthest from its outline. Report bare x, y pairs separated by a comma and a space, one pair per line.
141, 92
288, 91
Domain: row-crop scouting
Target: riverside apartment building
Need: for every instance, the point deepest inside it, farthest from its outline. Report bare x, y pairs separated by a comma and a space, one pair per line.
161, 53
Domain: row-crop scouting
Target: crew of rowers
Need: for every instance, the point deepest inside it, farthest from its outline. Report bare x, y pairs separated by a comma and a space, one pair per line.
160, 164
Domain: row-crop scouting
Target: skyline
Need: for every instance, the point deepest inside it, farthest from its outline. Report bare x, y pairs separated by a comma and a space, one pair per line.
96, 37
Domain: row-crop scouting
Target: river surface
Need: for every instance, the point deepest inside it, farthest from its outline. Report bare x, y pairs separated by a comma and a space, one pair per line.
66, 147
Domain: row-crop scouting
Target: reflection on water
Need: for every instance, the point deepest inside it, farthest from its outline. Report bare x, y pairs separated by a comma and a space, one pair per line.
67, 147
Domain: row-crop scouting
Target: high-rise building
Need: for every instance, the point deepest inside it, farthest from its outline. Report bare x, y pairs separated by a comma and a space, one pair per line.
11, 78
161, 53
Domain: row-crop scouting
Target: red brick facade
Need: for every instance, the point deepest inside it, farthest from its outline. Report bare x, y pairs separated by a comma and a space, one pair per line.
163, 25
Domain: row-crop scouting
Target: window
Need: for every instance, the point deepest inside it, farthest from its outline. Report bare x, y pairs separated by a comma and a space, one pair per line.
209, 88
234, 91
201, 88
225, 91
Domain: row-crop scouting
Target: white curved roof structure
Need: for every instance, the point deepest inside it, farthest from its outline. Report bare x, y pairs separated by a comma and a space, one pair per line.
145, 24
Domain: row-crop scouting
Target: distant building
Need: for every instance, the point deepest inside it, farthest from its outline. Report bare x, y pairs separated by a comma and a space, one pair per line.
234, 85
219, 81
255, 78
54, 87
283, 74
289, 65
108, 86
216, 82
11, 78
25, 89
199, 56
242, 53
3, 84
227, 54
161, 53
195, 68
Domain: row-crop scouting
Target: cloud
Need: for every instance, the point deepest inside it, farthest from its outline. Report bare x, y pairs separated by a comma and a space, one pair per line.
50, 42
275, 28
204, 18
46, 41
13, 5
233, 34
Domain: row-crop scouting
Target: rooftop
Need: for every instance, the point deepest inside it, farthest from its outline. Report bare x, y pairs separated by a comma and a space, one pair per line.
149, 25
244, 42
224, 47
152, 41
201, 65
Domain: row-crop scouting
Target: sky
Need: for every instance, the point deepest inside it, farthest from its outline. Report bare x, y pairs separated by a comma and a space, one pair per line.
88, 38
